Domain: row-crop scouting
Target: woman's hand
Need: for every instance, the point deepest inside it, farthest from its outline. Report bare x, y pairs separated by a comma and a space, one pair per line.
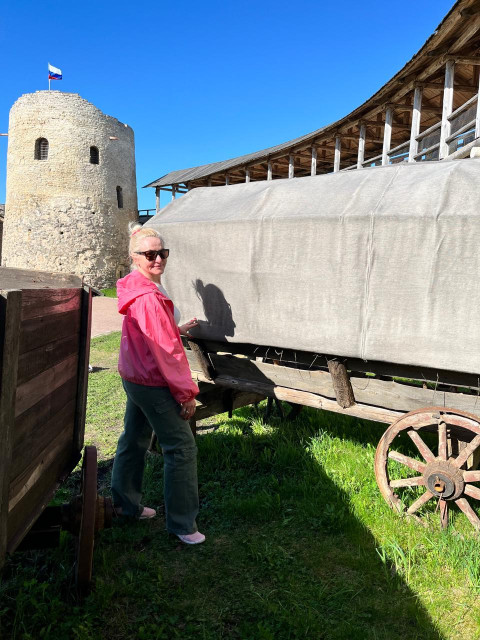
188, 409
185, 328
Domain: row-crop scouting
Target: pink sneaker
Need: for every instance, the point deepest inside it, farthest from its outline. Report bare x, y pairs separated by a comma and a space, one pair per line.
192, 538
146, 514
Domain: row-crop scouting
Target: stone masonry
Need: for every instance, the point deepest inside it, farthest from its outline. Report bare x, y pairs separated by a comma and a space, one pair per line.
65, 212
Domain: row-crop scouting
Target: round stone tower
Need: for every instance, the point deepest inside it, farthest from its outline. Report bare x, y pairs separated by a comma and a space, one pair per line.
71, 188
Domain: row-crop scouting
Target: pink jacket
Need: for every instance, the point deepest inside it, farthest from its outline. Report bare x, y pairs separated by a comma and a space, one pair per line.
151, 351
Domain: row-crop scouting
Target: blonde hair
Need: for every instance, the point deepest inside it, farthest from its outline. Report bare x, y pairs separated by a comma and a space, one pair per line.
137, 233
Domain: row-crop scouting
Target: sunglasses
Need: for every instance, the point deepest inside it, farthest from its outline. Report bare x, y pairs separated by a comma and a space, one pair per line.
151, 255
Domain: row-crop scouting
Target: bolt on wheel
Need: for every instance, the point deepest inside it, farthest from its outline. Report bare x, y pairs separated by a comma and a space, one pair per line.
439, 449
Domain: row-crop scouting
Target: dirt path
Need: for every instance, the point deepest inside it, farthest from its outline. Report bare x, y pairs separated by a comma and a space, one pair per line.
105, 317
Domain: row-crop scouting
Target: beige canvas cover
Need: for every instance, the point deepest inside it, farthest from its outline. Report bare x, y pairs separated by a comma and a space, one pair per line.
380, 264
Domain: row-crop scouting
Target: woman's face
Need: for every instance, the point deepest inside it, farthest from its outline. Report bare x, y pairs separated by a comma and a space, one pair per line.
151, 269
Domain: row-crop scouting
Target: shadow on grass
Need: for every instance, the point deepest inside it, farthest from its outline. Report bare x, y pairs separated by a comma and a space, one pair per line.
285, 557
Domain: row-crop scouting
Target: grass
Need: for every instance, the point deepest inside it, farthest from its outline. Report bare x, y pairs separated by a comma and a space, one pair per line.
300, 544
110, 293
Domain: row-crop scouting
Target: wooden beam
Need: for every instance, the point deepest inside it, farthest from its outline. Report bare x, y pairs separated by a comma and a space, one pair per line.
387, 135
447, 107
227, 179
361, 145
157, 199
463, 60
247, 174
291, 166
338, 151
415, 129
269, 170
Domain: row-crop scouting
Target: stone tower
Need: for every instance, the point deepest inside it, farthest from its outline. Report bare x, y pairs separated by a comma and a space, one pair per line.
71, 188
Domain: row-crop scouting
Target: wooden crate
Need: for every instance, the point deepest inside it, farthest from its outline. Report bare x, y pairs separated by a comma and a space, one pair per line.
44, 348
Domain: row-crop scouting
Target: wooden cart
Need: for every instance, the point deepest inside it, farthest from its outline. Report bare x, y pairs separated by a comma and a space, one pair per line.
433, 409
44, 350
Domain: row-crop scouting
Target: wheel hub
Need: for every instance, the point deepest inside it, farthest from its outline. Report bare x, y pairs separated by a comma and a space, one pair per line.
444, 480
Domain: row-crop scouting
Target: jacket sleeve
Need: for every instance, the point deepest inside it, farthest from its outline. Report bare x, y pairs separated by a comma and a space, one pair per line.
156, 323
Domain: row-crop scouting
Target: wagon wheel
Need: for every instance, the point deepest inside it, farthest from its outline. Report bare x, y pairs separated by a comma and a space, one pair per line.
83, 569
441, 470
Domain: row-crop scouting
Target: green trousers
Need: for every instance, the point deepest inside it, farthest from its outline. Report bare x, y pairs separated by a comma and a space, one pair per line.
155, 408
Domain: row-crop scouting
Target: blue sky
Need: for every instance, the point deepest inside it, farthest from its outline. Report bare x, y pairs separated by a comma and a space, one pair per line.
205, 81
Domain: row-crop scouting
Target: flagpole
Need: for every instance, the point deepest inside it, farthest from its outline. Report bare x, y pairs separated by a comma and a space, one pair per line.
49, 82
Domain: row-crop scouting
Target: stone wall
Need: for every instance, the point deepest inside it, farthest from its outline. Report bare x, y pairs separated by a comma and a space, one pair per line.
2, 214
64, 208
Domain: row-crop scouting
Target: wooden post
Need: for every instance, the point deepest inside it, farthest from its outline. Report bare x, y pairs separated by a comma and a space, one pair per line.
291, 166
82, 371
387, 135
314, 161
416, 117
227, 179
341, 384
477, 117
205, 365
338, 150
10, 311
361, 145
447, 107
269, 170
157, 199
174, 191
247, 175
209, 183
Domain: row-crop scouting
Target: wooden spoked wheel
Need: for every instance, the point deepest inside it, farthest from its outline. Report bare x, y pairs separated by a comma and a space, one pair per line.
435, 469
83, 569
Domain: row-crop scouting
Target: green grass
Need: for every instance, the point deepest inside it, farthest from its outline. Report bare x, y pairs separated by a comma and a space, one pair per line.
300, 544
109, 293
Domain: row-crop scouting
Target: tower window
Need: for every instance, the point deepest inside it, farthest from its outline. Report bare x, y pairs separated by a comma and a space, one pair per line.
41, 149
94, 155
120, 197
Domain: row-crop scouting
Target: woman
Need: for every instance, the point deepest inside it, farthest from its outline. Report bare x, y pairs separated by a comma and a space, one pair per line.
160, 392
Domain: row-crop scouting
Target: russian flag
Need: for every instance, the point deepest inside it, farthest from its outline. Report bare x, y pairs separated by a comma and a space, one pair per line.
54, 73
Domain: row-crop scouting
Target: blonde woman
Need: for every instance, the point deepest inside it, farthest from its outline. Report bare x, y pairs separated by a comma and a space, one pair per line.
160, 392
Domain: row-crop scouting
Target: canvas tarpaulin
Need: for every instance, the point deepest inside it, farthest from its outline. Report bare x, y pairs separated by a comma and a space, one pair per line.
379, 264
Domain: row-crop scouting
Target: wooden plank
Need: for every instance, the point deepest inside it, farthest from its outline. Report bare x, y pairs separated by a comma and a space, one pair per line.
388, 394
31, 421
27, 279
22, 516
32, 363
36, 332
31, 392
55, 434
317, 360
309, 400
26, 448
42, 302
10, 310
387, 135
415, 128
447, 107
82, 374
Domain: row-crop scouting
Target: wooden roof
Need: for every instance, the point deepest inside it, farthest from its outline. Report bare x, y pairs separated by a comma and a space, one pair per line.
458, 35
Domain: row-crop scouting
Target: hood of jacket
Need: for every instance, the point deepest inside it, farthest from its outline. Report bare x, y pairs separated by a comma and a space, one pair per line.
131, 287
